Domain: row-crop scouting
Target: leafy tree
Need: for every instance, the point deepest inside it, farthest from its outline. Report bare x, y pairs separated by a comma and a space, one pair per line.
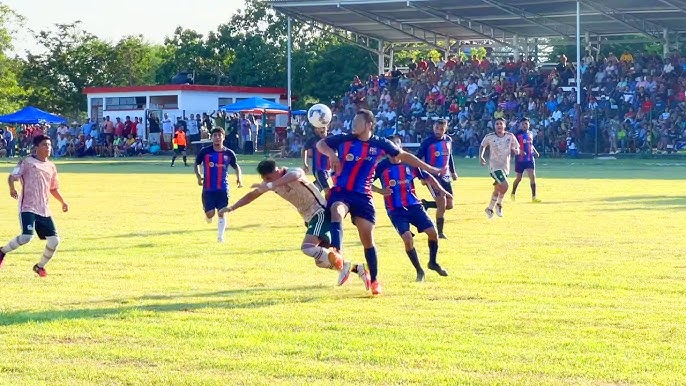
12, 96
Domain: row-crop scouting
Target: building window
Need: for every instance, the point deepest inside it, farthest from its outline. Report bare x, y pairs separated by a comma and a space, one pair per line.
164, 102
225, 101
124, 103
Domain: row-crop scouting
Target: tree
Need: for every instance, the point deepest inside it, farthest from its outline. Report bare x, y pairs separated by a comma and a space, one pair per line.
12, 96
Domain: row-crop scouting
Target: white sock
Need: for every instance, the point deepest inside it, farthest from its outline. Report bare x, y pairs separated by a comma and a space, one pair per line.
494, 198
221, 226
500, 199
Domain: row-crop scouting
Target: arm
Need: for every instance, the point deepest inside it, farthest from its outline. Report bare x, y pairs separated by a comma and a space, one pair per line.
291, 176
56, 193
245, 200
451, 165
306, 154
325, 149
384, 192
13, 191
431, 181
197, 173
535, 151
239, 175
515, 144
482, 151
412, 160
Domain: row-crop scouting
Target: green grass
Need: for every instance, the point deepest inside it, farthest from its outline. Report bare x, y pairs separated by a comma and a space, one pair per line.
588, 287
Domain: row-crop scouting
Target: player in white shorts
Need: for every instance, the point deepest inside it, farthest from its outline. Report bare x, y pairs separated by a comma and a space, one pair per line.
501, 144
293, 186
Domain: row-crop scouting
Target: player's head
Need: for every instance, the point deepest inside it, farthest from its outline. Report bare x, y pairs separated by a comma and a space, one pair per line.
440, 128
321, 131
363, 122
217, 136
500, 126
267, 170
43, 145
399, 142
524, 124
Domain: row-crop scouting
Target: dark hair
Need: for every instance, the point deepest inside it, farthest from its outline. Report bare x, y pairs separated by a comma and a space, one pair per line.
368, 116
500, 119
266, 166
40, 138
441, 121
217, 130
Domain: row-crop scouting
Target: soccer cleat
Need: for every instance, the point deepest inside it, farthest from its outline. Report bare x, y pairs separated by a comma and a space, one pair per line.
420, 276
512, 197
336, 259
2, 257
172, 165
376, 288
364, 275
499, 210
344, 273
489, 212
40, 271
220, 240
535, 200
437, 268
442, 236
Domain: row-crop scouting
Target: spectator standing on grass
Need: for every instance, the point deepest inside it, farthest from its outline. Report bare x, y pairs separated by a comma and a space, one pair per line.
167, 131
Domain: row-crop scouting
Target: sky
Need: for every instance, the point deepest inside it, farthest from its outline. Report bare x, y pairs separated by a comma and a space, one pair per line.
113, 19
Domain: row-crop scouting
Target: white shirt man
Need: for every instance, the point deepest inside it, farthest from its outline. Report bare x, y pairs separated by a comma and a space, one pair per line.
472, 88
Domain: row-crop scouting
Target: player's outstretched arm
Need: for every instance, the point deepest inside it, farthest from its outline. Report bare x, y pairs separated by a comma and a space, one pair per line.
245, 200
412, 160
306, 154
482, 151
56, 193
325, 149
382, 191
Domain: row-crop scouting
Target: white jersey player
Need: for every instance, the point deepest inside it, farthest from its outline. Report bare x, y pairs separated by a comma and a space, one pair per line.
501, 145
293, 186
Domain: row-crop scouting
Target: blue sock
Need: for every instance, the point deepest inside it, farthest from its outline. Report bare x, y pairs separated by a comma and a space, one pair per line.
433, 251
370, 256
336, 235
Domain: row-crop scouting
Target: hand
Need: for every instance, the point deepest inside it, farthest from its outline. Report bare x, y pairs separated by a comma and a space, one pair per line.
386, 192
447, 195
444, 171
225, 210
336, 165
65, 207
306, 168
200, 181
240, 183
13, 193
483, 161
454, 176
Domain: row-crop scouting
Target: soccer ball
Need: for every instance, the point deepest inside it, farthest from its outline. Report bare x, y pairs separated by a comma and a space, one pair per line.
319, 115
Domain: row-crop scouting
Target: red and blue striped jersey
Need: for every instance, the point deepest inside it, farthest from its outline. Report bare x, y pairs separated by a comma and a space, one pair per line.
526, 146
319, 160
216, 166
359, 160
399, 178
437, 152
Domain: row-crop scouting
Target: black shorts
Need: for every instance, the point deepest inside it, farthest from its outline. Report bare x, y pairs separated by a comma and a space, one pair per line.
445, 182
44, 226
214, 200
180, 149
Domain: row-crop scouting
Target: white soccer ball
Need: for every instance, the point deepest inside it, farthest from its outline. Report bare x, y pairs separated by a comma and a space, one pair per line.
319, 115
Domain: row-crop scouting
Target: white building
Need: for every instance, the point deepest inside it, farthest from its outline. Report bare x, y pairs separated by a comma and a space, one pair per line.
177, 100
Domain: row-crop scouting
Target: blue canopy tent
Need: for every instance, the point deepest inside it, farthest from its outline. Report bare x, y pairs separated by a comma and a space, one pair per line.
31, 115
299, 112
256, 105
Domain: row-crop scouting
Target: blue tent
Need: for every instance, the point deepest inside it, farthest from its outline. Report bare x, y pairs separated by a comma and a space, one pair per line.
299, 112
256, 105
31, 115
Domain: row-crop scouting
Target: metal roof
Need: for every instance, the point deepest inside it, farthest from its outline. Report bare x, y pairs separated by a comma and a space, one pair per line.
433, 21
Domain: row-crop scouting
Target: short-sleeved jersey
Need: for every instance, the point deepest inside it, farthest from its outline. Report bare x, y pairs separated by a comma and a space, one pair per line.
437, 152
500, 150
216, 166
399, 178
526, 146
303, 195
319, 160
359, 160
38, 178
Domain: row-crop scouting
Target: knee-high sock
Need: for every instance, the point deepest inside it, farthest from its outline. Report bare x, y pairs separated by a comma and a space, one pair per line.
336, 235
16, 243
440, 221
414, 259
370, 256
533, 190
221, 227
433, 251
494, 199
50, 249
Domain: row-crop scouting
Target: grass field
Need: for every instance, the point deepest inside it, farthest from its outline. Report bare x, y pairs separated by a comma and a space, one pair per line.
588, 287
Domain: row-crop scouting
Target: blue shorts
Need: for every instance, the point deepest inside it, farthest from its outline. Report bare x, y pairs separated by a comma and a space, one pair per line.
415, 215
360, 205
214, 200
521, 166
321, 179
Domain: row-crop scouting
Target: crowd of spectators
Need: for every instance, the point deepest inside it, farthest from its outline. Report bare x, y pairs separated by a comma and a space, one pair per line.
634, 103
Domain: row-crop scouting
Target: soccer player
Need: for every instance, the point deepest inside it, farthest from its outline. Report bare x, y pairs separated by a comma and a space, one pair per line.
179, 144
38, 178
525, 161
321, 167
405, 209
437, 151
353, 159
500, 144
293, 186
216, 160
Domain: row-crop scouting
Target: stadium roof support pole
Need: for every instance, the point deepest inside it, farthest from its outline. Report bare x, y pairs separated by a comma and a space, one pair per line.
392, 57
381, 58
665, 43
578, 52
290, 74
515, 44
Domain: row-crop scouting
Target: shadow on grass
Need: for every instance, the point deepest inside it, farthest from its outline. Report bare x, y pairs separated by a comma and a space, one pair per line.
210, 228
233, 300
647, 202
